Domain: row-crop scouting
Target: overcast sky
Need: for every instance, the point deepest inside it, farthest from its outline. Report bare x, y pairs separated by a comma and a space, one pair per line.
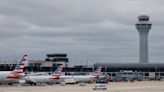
88, 30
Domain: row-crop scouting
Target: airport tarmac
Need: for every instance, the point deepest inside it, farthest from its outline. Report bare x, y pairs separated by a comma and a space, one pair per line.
142, 86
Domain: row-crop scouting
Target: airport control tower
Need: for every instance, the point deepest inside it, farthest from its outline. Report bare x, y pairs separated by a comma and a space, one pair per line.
143, 26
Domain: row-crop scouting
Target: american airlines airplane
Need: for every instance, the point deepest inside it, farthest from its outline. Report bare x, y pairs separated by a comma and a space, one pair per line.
33, 80
12, 76
83, 78
38, 79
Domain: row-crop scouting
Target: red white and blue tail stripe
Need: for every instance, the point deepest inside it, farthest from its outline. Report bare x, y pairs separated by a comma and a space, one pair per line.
20, 66
58, 71
98, 72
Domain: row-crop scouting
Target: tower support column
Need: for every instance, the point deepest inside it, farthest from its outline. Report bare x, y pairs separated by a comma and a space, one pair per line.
143, 46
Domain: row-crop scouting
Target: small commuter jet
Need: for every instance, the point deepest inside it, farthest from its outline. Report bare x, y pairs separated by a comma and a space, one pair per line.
35, 79
12, 76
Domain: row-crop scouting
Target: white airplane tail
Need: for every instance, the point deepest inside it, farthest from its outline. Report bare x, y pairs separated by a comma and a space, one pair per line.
20, 66
58, 71
98, 72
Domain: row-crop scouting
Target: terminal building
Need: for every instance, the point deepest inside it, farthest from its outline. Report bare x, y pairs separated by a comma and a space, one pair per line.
142, 70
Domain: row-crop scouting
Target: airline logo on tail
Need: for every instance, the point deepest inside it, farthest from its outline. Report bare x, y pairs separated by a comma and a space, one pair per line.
20, 66
58, 71
98, 72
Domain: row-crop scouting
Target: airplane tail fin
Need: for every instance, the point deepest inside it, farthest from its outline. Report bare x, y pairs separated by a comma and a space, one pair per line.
58, 71
20, 66
98, 72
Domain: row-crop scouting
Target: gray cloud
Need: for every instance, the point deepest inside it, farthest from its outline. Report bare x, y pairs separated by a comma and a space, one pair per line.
88, 30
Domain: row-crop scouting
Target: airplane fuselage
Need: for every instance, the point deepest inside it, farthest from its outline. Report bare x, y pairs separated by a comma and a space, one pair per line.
6, 76
79, 78
40, 78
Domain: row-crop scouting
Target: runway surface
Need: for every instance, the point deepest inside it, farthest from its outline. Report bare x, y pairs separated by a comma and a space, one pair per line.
144, 86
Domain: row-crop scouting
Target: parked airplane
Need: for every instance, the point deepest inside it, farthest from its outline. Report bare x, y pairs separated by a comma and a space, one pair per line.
33, 80
12, 76
84, 78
